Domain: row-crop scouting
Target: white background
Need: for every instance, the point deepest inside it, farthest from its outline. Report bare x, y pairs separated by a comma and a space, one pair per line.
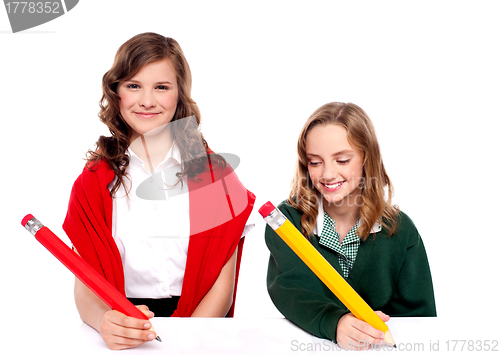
426, 72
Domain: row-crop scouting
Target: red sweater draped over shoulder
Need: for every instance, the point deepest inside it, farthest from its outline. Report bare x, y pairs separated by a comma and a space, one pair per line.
219, 206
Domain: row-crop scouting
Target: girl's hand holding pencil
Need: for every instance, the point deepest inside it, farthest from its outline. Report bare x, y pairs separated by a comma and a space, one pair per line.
355, 334
122, 332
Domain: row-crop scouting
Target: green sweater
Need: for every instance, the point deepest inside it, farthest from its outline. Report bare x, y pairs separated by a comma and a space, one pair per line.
391, 274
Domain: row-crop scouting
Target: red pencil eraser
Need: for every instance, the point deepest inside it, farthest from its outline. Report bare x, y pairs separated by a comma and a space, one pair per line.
266, 209
26, 219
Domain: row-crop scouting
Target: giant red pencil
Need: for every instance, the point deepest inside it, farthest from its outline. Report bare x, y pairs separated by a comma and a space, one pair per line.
90, 277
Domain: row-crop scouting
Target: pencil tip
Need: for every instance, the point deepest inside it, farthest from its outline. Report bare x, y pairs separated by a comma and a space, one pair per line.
395, 346
158, 338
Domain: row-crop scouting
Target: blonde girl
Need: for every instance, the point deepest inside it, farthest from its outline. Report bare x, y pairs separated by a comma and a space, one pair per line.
341, 200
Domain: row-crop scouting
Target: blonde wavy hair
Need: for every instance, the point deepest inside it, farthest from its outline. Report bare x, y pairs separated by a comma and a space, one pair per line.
377, 207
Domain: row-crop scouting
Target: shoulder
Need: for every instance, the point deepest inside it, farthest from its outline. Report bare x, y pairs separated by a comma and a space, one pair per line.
95, 172
101, 164
102, 168
287, 208
406, 229
405, 222
293, 214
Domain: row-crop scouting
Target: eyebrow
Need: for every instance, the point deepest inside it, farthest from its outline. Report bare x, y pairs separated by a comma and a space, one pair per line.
137, 81
342, 152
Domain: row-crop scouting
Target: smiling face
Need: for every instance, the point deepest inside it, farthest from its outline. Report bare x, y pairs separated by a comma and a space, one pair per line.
335, 167
149, 99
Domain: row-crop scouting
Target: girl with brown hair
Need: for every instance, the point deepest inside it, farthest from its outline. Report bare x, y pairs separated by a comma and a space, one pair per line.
155, 211
338, 201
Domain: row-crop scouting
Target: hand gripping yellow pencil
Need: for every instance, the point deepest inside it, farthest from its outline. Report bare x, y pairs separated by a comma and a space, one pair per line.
325, 272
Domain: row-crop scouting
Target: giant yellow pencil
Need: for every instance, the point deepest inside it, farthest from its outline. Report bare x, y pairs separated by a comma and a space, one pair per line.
322, 268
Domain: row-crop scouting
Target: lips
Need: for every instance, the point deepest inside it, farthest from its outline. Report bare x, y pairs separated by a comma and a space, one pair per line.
333, 186
146, 114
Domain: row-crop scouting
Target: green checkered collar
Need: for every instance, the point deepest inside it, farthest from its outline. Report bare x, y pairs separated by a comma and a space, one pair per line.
318, 228
331, 239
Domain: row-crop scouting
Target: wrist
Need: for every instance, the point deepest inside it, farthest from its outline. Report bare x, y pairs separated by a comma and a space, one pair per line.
329, 323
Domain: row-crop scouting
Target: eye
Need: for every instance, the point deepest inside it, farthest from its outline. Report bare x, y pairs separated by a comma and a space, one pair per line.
314, 163
133, 86
162, 87
342, 162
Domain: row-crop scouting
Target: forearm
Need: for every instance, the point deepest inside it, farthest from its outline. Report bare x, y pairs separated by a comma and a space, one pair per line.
298, 293
214, 306
219, 299
306, 305
90, 307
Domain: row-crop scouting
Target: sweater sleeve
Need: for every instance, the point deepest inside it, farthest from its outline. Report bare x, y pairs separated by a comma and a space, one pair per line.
297, 292
414, 294
89, 219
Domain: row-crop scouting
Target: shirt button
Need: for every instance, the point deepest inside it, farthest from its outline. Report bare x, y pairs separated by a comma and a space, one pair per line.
165, 288
154, 206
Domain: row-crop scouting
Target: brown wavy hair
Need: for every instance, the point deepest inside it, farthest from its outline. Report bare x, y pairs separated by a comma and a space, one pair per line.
361, 135
131, 57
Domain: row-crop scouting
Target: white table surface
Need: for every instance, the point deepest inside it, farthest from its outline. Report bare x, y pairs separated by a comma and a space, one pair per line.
242, 336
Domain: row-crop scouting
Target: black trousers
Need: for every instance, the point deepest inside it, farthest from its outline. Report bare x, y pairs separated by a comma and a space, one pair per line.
161, 307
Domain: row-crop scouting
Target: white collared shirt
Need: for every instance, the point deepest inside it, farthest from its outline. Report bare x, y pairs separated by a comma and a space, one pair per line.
318, 228
152, 235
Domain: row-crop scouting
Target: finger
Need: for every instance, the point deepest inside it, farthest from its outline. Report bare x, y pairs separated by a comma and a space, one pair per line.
367, 333
126, 337
120, 325
115, 342
353, 344
122, 320
351, 333
359, 334
383, 316
145, 309
357, 325
357, 340
118, 337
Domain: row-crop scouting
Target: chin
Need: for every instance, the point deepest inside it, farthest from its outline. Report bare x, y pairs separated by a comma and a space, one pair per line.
333, 199
335, 202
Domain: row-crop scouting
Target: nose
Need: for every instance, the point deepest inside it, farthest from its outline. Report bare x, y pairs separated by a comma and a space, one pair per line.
330, 172
147, 99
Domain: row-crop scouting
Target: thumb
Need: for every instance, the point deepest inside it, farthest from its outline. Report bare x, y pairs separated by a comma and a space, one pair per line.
383, 316
145, 309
